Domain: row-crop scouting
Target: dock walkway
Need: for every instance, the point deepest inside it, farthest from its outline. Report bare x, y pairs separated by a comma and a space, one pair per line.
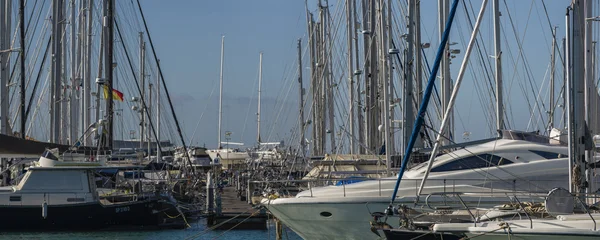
237, 213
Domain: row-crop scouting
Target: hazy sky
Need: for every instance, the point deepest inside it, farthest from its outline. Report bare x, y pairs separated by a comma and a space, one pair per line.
187, 36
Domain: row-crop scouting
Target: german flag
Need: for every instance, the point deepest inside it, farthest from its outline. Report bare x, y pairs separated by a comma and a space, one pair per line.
116, 94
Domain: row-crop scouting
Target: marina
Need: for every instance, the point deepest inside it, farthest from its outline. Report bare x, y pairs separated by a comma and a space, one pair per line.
310, 119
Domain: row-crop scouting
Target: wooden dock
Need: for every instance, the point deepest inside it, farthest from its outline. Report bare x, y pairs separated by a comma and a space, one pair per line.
236, 213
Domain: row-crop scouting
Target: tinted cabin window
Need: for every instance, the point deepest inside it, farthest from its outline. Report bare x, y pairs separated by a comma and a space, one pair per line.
49, 155
479, 161
548, 155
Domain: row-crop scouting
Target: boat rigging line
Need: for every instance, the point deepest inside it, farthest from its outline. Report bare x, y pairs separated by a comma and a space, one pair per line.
166, 89
426, 96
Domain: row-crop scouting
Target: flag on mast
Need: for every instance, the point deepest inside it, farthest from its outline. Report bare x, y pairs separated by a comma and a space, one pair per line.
116, 94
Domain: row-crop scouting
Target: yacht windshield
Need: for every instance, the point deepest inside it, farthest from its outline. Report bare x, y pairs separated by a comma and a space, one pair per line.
472, 162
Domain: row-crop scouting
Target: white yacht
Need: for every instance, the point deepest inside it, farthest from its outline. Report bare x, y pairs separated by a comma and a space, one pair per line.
228, 157
518, 162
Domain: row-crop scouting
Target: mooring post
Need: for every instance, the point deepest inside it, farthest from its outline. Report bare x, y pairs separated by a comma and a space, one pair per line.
248, 193
209, 193
278, 230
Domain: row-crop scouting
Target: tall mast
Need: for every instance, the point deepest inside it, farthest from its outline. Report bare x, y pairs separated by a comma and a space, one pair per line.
371, 76
55, 96
327, 51
498, 60
142, 85
418, 68
301, 96
259, 89
365, 129
100, 87
23, 54
391, 51
565, 70
87, 81
148, 130
552, 71
221, 91
384, 77
350, 29
108, 68
577, 67
312, 62
72, 100
408, 81
590, 91
158, 146
357, 72
445, 83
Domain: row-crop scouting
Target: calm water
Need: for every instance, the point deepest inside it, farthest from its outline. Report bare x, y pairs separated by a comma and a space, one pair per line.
196, 231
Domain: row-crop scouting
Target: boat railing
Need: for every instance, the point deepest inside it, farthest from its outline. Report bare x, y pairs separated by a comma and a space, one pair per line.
348, 186
520, 204
585, 207
526, 214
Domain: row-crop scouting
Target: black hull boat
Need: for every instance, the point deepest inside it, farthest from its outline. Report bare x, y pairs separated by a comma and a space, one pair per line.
152, 213
59, 195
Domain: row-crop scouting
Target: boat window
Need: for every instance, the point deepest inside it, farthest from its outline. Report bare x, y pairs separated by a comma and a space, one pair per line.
548, 155
479, 161
47, 154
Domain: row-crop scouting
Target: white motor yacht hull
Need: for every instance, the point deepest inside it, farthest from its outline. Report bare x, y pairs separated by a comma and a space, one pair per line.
350, 217
348, 220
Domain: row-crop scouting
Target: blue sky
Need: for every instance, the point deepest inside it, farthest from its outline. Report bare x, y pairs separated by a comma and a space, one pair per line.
187, 36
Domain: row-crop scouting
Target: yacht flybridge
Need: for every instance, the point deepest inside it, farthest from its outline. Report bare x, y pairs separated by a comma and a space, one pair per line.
518, 162
56, 194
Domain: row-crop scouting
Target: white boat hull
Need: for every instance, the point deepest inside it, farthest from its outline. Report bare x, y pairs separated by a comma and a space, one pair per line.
538, 229
344, 217
227, 157
306, 219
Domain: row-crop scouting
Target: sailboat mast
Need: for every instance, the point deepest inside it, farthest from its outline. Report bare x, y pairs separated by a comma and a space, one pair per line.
221, 92
108, 68
444, 74
418, 63
259, 92
327, 51
301, 102
408, 81
23, 54
590, 92
57, 30
158, 146
384, 77
312, 34
142, 86
350, 29
498, 70
148, 130
87, 88
357, 72
552, 71
577, 68
391, 51
565, 70
75, 66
